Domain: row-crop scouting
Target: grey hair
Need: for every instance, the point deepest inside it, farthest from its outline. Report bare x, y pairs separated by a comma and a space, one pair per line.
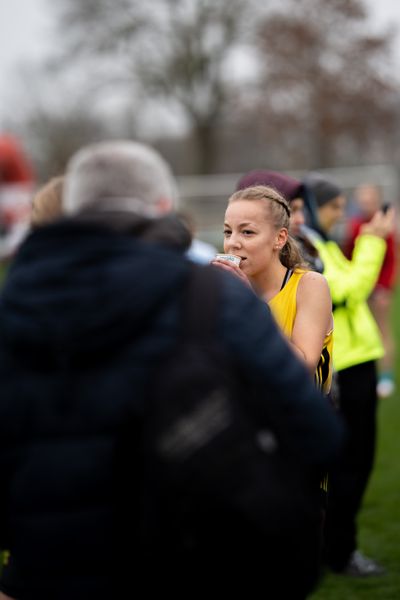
118, 175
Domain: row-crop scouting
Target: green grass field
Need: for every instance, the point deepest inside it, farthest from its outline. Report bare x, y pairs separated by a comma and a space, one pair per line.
379, 522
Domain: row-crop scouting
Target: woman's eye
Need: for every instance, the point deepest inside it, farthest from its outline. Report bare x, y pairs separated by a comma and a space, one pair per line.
227, 232
247, 232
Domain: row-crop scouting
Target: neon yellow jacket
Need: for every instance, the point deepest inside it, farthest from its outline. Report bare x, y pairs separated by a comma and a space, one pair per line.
356, 334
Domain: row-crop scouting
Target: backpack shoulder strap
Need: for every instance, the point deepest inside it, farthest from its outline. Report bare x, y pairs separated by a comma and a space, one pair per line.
201, 298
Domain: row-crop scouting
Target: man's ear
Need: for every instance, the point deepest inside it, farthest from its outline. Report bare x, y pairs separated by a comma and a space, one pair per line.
164, 205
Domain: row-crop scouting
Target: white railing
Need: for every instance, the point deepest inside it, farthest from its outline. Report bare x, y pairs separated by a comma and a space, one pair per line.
205, 196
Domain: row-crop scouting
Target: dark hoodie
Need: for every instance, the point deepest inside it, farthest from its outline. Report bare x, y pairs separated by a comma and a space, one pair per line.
86, 313
79, 301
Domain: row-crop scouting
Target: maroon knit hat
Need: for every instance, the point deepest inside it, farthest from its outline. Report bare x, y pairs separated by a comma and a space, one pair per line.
289, 187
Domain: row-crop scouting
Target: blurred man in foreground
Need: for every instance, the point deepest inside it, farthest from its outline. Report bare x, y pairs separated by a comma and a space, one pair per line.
90, 308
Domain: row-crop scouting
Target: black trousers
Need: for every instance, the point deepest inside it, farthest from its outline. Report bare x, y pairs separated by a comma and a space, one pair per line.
349, 477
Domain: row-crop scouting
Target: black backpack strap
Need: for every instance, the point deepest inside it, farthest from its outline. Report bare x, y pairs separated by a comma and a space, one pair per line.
201, 299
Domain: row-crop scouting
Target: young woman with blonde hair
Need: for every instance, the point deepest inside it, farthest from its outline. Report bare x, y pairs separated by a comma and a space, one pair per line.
256, 230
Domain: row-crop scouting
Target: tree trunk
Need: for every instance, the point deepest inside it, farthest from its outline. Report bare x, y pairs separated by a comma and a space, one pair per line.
206, 151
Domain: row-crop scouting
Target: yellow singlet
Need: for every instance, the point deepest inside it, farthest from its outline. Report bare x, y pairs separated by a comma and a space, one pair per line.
283, 307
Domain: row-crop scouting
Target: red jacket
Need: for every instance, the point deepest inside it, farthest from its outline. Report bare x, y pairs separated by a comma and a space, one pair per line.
387, 276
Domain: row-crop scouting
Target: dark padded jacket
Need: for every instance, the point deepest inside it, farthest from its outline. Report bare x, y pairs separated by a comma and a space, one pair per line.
85, 315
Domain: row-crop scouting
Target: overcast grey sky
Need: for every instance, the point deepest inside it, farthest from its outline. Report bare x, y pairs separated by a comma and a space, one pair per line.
25, 35
24, 32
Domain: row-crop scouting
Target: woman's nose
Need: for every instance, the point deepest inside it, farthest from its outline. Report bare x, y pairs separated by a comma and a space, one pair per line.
234, 241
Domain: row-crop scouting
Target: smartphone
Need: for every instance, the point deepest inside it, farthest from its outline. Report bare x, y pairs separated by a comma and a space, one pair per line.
385, 207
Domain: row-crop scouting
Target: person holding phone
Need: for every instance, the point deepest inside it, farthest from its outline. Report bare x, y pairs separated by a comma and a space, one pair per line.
357, 348
368, 199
